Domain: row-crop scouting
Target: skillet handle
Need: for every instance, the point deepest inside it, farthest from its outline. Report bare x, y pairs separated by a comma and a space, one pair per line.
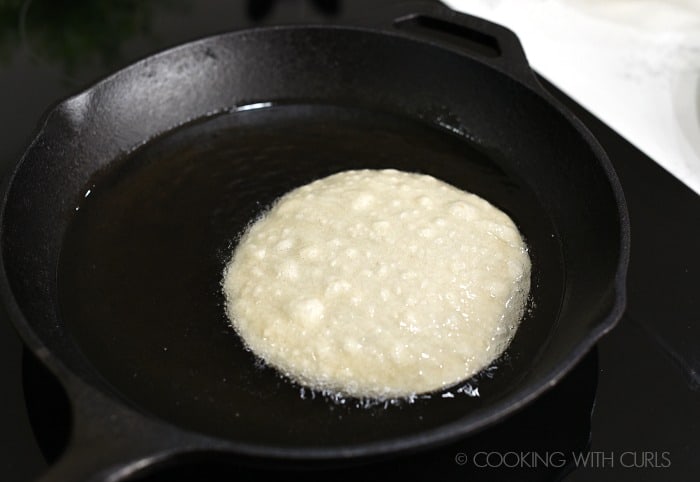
110, 442
484, 41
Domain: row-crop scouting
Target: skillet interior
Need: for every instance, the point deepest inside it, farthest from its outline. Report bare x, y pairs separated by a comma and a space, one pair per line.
510, 145
145, 255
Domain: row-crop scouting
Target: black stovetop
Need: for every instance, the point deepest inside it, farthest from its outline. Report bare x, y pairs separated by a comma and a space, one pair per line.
633, 404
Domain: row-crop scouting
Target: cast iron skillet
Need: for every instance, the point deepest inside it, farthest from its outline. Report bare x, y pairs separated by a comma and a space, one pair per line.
171, 158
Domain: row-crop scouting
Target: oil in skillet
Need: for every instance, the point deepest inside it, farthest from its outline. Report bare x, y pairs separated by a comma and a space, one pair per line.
141, 263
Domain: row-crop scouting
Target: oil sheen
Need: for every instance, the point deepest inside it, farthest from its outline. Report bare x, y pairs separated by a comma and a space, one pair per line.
141, 265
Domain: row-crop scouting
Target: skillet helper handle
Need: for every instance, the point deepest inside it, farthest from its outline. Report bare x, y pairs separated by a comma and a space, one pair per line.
111, 443
484, 41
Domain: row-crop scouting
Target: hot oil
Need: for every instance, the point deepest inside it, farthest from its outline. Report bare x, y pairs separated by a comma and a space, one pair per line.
142, 262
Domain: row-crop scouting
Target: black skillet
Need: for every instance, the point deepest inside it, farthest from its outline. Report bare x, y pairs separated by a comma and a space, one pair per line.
169, 159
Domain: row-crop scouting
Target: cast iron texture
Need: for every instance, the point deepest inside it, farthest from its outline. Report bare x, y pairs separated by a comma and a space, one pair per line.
418, 70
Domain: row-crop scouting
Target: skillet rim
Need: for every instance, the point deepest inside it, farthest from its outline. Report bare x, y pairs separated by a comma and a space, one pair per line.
512, 402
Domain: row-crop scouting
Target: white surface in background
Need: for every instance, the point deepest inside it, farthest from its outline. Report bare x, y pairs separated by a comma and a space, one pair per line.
635, 64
